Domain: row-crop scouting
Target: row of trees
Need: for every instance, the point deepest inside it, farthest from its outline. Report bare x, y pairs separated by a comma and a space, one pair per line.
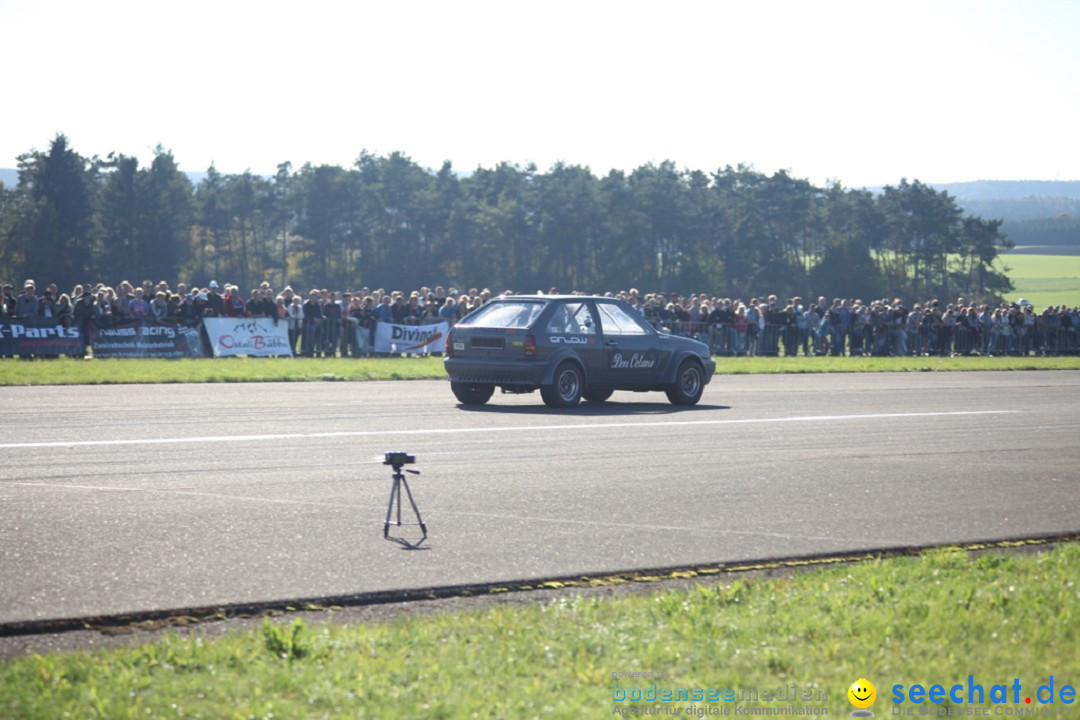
388, 222
1063, 229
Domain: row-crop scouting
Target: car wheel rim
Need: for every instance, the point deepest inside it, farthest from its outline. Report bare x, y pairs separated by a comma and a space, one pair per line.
691, 382
568, 385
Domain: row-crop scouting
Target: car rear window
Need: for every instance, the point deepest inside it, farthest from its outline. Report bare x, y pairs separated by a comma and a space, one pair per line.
500, 314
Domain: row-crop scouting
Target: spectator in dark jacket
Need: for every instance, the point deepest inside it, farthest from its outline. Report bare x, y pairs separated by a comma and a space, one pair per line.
47, 306
7, 301
84, 315
332, 313
198, 305
399, 310
175, 312
215, 303
261, 304
313, 319
64, 310
26, 306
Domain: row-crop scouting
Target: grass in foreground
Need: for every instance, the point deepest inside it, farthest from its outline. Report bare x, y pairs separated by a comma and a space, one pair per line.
69, 371
929, 620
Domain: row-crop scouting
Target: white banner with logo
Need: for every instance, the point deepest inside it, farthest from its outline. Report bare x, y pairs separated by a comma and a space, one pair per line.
259, 337
410, 339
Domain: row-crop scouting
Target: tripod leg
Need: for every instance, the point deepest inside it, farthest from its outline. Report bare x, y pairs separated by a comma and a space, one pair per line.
394, 490
419, 519
399, 502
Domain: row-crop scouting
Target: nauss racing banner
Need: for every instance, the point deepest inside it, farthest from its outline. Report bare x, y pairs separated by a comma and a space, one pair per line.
258, 337
148, 339
39, 336
410, 339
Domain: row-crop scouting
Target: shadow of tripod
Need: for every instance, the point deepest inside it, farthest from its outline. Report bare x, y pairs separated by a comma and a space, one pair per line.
393, 509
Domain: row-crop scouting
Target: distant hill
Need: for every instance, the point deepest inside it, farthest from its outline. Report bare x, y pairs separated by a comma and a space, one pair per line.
1022, 210
1036, 213
1016, 201
982, 190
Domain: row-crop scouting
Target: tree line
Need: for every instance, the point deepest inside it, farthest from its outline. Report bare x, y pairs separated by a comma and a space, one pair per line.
1063, 229
387, 222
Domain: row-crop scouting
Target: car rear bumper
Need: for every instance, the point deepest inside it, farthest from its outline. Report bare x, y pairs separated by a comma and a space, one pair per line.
496, 371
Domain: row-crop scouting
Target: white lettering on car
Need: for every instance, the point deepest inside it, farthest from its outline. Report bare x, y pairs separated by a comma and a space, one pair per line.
618, 362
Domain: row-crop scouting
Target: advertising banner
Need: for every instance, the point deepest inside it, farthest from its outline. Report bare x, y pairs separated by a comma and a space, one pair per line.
410, 339
148, 339
258, 337
39, 336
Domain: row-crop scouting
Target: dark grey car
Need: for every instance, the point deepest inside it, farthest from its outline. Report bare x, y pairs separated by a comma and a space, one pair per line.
570, 347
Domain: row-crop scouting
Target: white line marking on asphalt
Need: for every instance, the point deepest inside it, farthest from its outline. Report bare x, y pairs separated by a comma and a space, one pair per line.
460, 430
186, 493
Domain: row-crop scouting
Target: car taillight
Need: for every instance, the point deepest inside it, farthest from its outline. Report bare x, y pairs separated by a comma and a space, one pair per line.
449, 343
530, 346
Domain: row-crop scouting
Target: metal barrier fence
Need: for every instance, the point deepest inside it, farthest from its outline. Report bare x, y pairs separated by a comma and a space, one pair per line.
888, 340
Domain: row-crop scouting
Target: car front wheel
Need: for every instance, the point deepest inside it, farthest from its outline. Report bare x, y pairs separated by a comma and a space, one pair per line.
470, 394
565, 388
689, 384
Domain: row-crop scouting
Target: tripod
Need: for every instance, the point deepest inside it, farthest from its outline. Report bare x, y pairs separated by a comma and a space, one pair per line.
395, 500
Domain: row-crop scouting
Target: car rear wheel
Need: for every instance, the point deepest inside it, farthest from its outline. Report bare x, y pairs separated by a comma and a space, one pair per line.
470, 394
689, 384
565, 388
596, 396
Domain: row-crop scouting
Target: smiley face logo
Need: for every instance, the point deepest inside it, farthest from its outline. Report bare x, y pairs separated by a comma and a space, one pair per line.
862, 693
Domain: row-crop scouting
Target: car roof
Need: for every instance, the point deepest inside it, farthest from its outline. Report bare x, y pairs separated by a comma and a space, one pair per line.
577, 298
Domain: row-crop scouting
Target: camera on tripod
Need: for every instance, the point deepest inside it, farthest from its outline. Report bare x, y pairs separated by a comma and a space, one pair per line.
393, 509
397, 459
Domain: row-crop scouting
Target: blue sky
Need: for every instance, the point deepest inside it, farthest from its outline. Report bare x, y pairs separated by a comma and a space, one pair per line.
860, 92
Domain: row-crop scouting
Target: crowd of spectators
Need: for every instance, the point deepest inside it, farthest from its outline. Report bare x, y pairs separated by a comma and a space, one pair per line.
766, 326
321, 323
324, 323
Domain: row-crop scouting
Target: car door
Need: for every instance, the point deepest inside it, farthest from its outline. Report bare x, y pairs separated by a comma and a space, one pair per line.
572, 325
633, 352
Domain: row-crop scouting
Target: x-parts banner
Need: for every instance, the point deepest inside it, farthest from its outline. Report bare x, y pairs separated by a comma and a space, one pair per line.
39, 336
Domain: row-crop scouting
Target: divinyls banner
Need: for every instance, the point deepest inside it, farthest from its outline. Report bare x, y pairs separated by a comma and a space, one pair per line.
410, 339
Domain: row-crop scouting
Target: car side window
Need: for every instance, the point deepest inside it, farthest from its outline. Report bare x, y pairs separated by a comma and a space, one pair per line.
578, 319
619, 322
561, 323
509, 314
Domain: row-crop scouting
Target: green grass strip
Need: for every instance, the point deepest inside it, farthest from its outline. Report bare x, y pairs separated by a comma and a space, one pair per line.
69, 371
772, 365
933, 619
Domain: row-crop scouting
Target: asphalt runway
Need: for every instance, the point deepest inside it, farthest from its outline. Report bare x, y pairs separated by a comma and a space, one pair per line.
121, 499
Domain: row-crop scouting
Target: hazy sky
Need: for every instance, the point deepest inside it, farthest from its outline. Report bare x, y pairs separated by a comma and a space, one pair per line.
863, 92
